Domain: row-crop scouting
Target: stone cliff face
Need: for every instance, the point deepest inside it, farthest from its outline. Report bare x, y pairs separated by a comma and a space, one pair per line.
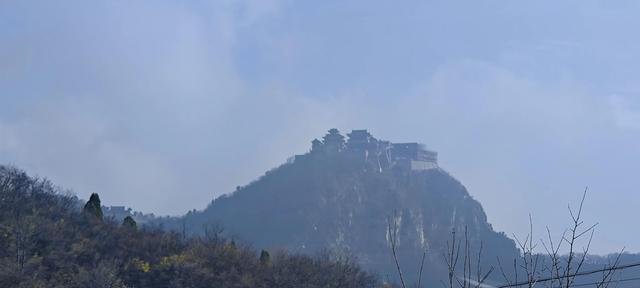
335, 202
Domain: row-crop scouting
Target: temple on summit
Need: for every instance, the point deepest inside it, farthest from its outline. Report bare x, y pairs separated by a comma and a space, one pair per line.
362, 146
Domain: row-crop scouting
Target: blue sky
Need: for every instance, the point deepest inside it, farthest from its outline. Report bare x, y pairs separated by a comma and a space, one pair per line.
163, 105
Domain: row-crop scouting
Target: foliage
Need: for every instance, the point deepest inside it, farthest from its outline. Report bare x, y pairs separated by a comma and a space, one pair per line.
129, 223
46, 241
93, 207
265, 258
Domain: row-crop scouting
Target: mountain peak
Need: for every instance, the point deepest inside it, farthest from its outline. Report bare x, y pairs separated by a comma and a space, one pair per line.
343, 194
361, 146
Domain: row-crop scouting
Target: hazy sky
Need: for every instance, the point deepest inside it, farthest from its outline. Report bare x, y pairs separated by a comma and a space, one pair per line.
163, 105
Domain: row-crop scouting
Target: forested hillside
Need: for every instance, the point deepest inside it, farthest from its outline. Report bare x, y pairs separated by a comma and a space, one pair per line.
47, 239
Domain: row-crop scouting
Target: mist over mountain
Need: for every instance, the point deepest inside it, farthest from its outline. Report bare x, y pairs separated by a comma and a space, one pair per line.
330, 218
187, 144
343, 194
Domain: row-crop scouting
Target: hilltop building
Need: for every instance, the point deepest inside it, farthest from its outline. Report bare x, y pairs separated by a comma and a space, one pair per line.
362, 146
117, 212
361, 143
360, 139
333, 141
414, 156
316, 145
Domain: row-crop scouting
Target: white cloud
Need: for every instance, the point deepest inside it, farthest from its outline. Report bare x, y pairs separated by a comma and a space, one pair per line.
164, 105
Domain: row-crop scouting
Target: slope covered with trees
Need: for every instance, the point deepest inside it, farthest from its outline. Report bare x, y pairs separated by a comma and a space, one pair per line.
48, 239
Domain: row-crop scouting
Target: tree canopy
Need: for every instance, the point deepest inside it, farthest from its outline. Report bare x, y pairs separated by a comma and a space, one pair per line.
46, 240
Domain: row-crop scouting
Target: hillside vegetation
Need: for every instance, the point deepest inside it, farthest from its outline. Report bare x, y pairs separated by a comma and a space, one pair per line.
48, 239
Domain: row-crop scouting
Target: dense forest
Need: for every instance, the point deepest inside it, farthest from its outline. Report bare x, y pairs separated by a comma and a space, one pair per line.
49, 239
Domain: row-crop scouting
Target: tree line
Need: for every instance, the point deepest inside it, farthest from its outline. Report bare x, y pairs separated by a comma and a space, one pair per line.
49, 239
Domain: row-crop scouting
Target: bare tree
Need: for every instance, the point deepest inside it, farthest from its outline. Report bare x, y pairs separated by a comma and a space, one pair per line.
424, 255
481, 276
608, 273
530, 258
576, 234
469, 278
392, 230
451, 258
562, 270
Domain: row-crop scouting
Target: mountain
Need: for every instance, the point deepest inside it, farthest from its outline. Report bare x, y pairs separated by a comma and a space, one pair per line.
342, 201
342, 196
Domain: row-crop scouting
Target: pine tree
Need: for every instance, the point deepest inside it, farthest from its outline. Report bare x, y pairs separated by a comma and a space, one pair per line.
264, 257
128, 222
93, 207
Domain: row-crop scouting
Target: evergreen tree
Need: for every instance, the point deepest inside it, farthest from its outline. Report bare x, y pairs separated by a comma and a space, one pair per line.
264, 257
93, 206
128, 222
44, 242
